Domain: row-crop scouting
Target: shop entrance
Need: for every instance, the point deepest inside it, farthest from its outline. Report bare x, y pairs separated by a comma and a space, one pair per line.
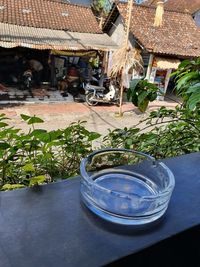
35, 75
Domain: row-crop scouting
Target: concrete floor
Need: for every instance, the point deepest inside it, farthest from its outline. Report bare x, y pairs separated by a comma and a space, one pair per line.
60, 115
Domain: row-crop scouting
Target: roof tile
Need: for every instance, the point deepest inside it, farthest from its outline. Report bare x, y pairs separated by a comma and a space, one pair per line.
48, 14
190, 6
178, 35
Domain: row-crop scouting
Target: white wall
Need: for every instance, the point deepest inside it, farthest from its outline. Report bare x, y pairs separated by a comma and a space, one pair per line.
117, 33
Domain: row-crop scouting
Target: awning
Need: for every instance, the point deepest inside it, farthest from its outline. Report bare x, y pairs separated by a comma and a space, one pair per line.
166, 63
40, 38
78, 53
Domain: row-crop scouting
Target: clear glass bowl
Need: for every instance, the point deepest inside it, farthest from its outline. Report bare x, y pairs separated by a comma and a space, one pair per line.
125, 187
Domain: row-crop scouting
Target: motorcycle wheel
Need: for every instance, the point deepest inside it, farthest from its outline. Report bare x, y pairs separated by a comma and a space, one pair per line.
89, 101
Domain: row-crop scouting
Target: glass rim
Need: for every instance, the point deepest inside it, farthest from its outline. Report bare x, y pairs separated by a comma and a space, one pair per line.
155, 162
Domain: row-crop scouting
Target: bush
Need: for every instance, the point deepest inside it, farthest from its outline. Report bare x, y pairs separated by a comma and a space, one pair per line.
167, 133
41, 156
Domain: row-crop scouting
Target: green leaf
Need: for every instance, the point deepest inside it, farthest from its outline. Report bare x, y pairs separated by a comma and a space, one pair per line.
134, 84
35, 119
152, 96
184, 63
25, 117
93, 136
47, 137
193, 88
182, 81
37, 180
28, 168
193, 100
3, 124
132, 90
143, 106
7, 187
38, 132
142, 97
4, 145
134, 99
129, 142
3, 117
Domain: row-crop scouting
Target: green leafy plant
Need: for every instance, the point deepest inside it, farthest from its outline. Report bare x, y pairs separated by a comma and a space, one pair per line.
141, 92
40, 156
102, 7
187, 79
166, 133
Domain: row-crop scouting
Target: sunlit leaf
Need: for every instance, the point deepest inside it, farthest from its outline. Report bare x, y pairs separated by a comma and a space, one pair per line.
93, 136
25, 117
37, 180
35, 119
7, 187
29, 167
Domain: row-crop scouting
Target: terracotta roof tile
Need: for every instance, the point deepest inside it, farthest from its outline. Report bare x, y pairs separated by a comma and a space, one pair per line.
178, 35
48, 14
190, 6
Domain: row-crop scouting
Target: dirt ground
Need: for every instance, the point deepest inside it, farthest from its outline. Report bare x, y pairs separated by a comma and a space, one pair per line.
99, 118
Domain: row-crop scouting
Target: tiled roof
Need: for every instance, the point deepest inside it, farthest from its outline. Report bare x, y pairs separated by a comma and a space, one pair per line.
41, 38
190, 6
178, 35
48, 14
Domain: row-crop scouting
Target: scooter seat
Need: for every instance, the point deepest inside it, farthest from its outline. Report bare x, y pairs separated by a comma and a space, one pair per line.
97, 88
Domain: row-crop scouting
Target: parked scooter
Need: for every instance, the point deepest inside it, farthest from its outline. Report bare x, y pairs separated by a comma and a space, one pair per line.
100, 94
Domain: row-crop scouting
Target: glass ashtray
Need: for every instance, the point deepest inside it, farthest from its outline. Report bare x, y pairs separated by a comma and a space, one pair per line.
125, 186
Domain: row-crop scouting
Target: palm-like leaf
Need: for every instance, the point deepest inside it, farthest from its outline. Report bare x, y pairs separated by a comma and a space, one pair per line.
188, 82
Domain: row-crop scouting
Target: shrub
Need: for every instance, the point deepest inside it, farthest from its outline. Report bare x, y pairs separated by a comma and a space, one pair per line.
41, 156
167, 133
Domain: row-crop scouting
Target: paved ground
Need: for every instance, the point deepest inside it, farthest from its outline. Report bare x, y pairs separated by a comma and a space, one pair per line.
60, 115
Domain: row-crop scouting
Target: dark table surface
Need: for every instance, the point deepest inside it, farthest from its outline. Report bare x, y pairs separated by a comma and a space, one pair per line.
50, 228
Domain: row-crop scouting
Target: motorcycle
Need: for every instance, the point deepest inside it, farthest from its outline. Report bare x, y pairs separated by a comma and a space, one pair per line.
26, 80
101, 94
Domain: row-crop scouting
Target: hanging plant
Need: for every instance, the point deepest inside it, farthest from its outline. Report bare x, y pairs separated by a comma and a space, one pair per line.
102, 7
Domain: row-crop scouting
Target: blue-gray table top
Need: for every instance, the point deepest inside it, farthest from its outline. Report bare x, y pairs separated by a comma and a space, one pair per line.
50, 228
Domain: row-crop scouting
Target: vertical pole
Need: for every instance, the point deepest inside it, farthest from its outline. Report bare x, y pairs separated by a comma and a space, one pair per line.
52, 69
128, 21
101, 22
105, 61
149, 67
126, 45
